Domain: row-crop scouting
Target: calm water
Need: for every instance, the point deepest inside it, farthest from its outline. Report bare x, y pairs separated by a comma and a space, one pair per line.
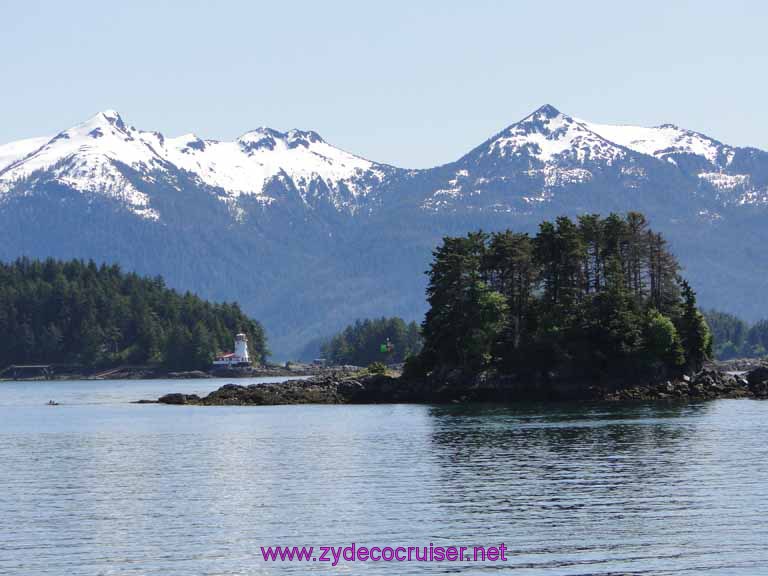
101, 486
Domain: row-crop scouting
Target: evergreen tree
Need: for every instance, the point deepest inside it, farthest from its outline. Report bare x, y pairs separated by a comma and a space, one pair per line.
757, 339
361, 343
453, 293
595, 298
203, 348
729, 335
510, 271
695, 334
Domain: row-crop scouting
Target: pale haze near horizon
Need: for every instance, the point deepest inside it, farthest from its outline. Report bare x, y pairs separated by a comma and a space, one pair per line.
415, 84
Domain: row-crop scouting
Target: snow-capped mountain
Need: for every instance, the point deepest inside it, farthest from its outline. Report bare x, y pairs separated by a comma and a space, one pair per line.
537, 155
548, 136
92, 157
87, 158
309, 237
522, 166
548, 151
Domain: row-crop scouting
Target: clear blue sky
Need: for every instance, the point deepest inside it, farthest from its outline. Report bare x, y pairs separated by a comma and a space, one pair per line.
413, 83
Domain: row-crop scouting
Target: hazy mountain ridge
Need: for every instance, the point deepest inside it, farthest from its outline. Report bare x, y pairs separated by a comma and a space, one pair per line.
309, 237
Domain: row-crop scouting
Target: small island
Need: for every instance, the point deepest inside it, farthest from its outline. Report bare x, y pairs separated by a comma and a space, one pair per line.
592, 309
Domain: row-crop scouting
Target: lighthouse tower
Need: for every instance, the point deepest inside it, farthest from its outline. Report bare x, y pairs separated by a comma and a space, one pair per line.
238, 358
241, 349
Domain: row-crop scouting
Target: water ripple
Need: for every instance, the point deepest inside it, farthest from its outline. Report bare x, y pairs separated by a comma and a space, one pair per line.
99, 486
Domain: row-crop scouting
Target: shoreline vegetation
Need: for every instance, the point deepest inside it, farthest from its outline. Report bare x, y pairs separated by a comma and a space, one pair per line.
365, 387
587, 309
592, 309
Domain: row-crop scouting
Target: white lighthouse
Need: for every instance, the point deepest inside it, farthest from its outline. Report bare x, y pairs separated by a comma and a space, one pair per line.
239, 357
241, 348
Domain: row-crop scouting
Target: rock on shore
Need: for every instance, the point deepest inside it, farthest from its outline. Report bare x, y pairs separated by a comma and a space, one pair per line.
326, 389
342, 388
705, 385
758, 382
738, 364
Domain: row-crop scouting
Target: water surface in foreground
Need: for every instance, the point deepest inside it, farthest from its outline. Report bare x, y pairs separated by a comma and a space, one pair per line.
101, 486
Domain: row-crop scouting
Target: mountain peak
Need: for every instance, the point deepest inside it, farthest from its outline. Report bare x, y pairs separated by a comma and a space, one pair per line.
267, 138
111, 115
106, 117
261, 131
548, 135
546, 111
294, 133
544, 119
309, 136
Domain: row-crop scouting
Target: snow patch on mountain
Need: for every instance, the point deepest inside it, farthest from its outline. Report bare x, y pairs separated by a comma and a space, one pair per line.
663, 141
246, 165
455, 185
735, 189
544, 196
752, 197
554, 176
709, 216
724, 181
15, 151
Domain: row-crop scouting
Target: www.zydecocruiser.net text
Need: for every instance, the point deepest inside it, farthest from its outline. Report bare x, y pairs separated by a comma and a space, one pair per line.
356, 553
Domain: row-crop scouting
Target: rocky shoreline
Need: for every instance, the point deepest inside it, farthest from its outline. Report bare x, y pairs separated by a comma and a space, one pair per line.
334, 388
156, 373
363, 388
709, 384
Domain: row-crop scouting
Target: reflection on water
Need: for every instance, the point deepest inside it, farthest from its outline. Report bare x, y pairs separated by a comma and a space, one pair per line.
100, 486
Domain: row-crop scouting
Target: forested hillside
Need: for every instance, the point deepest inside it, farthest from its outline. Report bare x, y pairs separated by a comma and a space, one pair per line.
592, 298
78, 312
366, 341
734, 338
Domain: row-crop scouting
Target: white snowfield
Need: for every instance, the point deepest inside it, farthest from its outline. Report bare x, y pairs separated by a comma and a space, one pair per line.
87, 158
15, 151
663, 141
91, 157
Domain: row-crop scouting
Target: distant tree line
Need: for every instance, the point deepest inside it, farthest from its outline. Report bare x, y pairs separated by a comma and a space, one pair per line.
387, 340
593, 298
734, 338
78, 312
